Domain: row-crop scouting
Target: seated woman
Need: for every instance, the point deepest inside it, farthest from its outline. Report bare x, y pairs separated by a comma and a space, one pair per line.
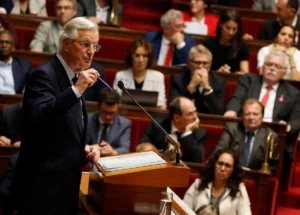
139, 58
30, 7
230, 52
99, 11
284, 41
205, 23
220, 185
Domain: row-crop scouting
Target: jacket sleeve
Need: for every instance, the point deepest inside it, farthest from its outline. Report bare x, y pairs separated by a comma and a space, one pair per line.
225, 139
124, 140
191, 195
175, 89
40, 37
244, 202
275, 159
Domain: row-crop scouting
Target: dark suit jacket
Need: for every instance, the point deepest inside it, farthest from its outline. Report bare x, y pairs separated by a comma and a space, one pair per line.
211, 104
92, 93
193, 145
8, 5
53, 141
233, 137
287, 101
21, 69
118, 136
180, 56
271, 27
10, 122
88, 8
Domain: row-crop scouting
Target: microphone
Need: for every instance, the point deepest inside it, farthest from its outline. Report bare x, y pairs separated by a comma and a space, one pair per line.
177, 161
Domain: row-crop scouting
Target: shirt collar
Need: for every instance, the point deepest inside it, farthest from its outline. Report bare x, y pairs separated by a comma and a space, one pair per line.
173, 128
8, 63
255, 132
165, 41
69, 71
101, 8
101, 121
275, 86
295, 21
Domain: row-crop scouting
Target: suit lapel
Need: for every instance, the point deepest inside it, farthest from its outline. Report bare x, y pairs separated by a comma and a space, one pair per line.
113, 130
279, 101
257, 144
257, 88
241, 141
16, 74
157, 45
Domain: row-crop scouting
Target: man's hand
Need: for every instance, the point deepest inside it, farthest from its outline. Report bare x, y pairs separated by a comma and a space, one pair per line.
247, 37
224, 69
87, 78
195, 81
230, 114
92, 152
95, 20
4, 141
204, 77
177, 38
17, 144
106, 149
193, 126
288, 126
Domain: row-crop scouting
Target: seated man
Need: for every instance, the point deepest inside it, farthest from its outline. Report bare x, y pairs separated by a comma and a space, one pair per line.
199, 84
13, 71
10, 125
280, 98
248, 138
171, 45
99, 11
183, 126
286, 15
266, 5
108, 129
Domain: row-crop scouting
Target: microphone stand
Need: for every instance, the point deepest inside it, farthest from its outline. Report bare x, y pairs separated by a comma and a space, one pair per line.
177, 160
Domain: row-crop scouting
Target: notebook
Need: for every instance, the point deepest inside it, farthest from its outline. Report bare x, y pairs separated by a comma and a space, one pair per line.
145, 98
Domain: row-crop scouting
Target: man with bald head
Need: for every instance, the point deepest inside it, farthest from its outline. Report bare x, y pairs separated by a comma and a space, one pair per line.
183, 125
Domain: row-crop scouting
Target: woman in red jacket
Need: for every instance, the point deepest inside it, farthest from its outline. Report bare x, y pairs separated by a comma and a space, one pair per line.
197, 15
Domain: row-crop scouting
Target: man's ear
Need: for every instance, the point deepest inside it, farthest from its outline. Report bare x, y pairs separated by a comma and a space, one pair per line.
65, 44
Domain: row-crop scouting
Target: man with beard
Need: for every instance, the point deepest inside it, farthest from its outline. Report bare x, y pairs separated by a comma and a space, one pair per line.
280, 99
13, 71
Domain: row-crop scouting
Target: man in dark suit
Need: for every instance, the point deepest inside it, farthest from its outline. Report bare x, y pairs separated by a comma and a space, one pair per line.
248, 138
53, 148
10, 125
96, 11
171, 45
286, 15
14, 71
108, 129
280, 98
183, 125
199, 84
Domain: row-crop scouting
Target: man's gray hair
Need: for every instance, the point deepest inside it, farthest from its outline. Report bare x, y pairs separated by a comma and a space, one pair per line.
286, 60
201, 49
73, 1
73, 26
167, 18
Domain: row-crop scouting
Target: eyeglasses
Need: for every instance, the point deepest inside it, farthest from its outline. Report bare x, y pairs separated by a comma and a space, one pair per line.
5, 42
63, 7
277, 66
226, 165
87, 45
205, 63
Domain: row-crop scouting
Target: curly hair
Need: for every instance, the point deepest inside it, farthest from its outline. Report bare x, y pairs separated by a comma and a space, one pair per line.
207, 174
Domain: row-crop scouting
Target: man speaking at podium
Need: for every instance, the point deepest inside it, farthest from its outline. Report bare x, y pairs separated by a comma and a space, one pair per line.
53, 149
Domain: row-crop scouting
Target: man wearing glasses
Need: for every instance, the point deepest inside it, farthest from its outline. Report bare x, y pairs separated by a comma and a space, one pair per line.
280, 99
199, 84
53, 148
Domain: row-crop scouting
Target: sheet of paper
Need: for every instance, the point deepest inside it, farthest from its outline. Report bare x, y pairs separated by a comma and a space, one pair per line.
130, 161
195, 28
180, 202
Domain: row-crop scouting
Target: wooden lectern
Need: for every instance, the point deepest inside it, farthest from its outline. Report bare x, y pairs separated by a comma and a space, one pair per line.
134, 191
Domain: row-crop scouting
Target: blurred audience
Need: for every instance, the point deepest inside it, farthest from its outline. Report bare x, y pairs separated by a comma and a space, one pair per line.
233, 3
139, 59
6, 6
6, 24
46, 38
248, 138
198, 21
221, 185
107, 128
99, 11
284, 41
10, 125
13, 71
171, 45
266, 5
286, 15
183, 125
30, 7
230, 52
204, 87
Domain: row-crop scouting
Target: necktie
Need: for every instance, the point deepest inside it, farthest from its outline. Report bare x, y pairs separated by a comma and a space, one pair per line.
178, 135
169, 55
75, 79
266, 96
247, 148
104, 132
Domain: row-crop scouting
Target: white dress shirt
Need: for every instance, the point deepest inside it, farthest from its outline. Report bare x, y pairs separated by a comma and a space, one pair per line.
268, 116
7, 84
101, 13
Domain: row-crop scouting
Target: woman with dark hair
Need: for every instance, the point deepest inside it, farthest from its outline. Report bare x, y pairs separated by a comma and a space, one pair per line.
284, 41
230, 52
205, 23
139, 59
220, 185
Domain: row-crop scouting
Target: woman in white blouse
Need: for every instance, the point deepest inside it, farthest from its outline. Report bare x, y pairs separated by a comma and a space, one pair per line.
284, 41
30, 7
139, 59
